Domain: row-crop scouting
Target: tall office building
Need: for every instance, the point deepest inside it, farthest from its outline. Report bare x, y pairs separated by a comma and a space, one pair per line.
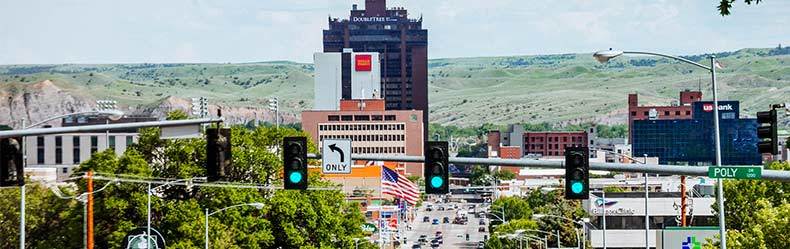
402, 44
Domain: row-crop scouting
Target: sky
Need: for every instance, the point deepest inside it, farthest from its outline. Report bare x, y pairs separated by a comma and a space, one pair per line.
220, 31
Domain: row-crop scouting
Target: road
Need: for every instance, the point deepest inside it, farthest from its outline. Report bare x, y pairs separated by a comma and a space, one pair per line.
454, 235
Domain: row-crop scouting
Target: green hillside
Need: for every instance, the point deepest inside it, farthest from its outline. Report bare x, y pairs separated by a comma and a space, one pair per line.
567, 88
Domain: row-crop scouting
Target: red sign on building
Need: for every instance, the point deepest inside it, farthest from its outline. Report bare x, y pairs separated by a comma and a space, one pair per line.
362, 62
707, 107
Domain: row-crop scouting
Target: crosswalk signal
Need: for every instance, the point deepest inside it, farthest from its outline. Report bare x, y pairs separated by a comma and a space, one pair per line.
436, 171
12, 171
767, 132
295, 160
577, 173
218, 155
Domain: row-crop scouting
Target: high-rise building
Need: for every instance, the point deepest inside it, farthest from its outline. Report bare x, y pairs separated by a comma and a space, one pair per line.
691, 141
402, 44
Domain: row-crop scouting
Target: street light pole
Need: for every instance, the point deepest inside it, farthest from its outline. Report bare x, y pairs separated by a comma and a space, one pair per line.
257, 205
647, 216
720, 182
605, 55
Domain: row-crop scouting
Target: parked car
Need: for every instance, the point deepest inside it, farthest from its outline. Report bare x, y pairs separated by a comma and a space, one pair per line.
446, 220
434, 243
482, 222
481, 245
423, 239
440, 208
435, 222
482, 229
416, 246
426, 219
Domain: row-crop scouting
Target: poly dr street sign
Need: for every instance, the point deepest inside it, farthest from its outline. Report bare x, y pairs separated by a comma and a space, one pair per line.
736, 172
336, 156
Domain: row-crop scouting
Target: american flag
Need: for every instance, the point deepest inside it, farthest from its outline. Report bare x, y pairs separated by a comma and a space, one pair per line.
397, 185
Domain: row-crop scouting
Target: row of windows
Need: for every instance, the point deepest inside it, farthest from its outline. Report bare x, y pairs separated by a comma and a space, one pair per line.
361, 127
360, 118
377, 150
666, 113
552, 146
76, 159
656, 222
556, 139
375, 137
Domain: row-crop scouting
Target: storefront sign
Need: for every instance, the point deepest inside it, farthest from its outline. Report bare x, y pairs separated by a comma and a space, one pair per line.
362, 62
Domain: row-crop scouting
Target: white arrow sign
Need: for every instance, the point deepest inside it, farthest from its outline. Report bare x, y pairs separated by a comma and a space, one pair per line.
336, 156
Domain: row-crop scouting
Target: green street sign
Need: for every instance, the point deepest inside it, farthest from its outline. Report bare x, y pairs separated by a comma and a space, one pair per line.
736, 172
370, 228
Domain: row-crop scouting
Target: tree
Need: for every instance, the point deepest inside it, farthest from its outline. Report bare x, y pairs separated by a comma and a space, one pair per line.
50, 222
726, 5
177, 115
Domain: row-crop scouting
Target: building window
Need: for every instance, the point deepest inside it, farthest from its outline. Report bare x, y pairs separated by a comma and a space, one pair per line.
129, 140
94, 144
677, 113
389, 117
112, 143
58, 150
646, 113
376, 117
64, 170
333, 118
75, 140
633, 114
345, 118
40, 150
361, 118
688, 113
666, 113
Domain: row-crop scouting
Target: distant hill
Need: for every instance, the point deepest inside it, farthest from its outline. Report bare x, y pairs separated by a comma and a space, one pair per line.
562, 89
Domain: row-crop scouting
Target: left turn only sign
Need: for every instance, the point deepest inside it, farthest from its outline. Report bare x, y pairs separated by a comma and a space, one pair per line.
336, 156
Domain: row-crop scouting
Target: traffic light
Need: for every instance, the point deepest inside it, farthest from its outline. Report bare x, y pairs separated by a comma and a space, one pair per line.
436, 171
766, 132
218, 155
577, 173
12, 170
295, 160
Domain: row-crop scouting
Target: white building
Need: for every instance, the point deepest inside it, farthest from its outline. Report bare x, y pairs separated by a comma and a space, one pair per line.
625, 217
346, 75
53, 157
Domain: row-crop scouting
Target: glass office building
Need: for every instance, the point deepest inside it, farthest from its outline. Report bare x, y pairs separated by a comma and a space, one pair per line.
691, 141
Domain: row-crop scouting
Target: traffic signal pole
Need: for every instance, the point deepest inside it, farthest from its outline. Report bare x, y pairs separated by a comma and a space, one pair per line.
771, 175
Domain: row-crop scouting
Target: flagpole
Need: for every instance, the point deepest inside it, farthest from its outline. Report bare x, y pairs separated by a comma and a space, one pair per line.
381, 207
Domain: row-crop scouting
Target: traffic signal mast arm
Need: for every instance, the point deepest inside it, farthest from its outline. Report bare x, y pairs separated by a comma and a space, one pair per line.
774, 175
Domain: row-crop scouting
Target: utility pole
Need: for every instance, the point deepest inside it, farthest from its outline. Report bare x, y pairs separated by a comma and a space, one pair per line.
89, 239
647, 216
22, 193
682, 201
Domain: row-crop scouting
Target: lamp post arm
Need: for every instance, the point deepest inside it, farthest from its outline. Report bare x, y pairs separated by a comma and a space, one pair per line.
62, 116
671, 57
234, 206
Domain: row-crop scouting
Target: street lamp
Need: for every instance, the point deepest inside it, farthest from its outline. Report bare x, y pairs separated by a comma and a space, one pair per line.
545, 240
112, 114
578, 238
257, 205
604, 56
150, 192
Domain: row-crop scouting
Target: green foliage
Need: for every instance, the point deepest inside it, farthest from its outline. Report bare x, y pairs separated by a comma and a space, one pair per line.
177, 115
481, 176
51, 222
757, 212
613, 189
726, 5
289, 219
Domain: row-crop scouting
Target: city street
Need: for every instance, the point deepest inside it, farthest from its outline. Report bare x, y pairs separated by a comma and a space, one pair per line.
453, 235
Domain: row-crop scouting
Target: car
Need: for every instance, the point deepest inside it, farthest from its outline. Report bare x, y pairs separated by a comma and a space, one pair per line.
482, 229
439, 239
435, 222
438, 234
481, 245
423, 239
426, 219
428, 209
434, 243
450, 208
482, 222
416, 246
446, 220
440, 208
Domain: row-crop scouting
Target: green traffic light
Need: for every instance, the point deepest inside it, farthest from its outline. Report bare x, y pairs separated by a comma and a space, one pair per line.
295, 177
577, 187
437, 182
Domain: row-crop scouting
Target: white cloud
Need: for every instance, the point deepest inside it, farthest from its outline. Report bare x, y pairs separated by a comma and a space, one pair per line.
96, 31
